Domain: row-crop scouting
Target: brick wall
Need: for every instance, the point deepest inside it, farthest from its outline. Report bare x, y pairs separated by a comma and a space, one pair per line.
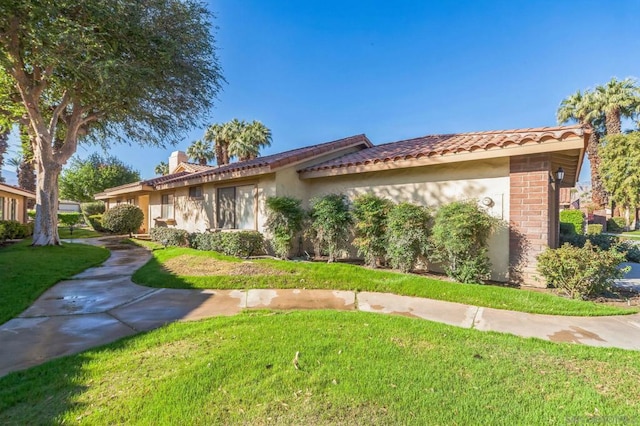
530, 215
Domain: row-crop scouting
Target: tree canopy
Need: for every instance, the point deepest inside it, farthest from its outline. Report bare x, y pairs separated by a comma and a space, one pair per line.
102, 70
85, 178
237, 138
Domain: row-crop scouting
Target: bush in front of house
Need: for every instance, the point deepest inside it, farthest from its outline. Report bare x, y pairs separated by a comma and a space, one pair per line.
14, 230
370, 222
92, 208
616, 224
284, 221
581, 271
407, 236
69, 219
460, 235
572, 221
604, 242
238, 244
169, 236
123, 218
95, 222
330, 224
594, 229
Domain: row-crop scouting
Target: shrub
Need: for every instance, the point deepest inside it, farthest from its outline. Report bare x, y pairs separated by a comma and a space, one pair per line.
632, 251
460, 236
330, 223
95, 221
581, 271
169, 236
239, 244
284, 222
574, 219
92, 208
69, 219
567, 229
370, 217
3, 232
31, 214
123, 218
14, 230
594, 229
408, 228
616, 224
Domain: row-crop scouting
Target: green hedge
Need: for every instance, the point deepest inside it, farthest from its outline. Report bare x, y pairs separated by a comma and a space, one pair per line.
14, 230
575, 218
239, 244
594, 229
169, 236
95, 221
616, 224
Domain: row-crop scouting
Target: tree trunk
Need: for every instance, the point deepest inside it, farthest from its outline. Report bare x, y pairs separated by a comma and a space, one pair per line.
598, 193
613, 122
45, 231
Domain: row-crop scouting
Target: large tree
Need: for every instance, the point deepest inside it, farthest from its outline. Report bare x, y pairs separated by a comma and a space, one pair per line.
237, 138
162, 169
85, 178
201, 152
102, 70
621, 170
582, 108
617, 99
4, 144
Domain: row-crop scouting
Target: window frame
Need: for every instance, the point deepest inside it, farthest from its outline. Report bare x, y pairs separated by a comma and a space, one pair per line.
167, 210
2, 207
198, 192
13, 209
234, 215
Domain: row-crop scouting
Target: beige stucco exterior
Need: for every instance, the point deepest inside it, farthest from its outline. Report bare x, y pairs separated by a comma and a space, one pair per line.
433, 186
13, 203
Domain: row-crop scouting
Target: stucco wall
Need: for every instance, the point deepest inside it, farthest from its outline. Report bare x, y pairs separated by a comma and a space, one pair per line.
433, 186
21, 215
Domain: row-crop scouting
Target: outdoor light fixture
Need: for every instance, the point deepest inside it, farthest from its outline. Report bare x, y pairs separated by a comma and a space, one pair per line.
559, 176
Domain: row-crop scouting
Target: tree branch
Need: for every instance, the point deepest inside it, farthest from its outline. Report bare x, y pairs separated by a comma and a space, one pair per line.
56, 112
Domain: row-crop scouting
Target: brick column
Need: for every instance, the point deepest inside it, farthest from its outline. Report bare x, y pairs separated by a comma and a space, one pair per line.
529, 215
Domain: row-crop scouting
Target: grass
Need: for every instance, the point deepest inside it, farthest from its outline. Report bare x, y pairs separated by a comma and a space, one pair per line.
27, 271
286, 274
355, 368
64, 233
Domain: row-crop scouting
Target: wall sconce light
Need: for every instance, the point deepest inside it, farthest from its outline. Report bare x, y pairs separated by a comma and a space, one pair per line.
559, 176
487, 202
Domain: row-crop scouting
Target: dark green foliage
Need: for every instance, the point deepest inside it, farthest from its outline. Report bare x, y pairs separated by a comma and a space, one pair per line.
594, 228
581, 271
14, 230
460, 235
567, 229
573, 218
632, 251
123, 218
370, 220
408, 229
330, 224
92, 207
95, 221
616, 224
239, 244
169, 236
85, 178
605, 242
284, 222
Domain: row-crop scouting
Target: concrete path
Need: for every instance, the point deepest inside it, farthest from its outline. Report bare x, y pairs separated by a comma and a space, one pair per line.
102, 305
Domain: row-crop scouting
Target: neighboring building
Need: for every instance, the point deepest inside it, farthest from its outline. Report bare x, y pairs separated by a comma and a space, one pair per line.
66, 206
13, 203
511, 173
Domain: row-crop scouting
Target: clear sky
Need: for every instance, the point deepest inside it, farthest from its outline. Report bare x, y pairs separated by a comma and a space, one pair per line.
316, 71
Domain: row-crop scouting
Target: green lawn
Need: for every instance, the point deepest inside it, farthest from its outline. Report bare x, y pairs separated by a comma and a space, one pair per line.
26, 272
64, 233
337, 276
355, 368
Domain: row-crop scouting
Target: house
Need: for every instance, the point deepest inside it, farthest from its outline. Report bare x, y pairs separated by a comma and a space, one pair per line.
514, 174
13, 203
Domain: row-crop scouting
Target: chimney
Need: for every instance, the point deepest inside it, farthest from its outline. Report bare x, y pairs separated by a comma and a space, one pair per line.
176, 158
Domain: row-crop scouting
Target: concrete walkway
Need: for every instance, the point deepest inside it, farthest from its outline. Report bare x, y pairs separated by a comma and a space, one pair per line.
102, 304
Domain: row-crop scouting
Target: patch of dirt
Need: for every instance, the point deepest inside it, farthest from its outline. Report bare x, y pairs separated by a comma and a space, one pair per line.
203, 266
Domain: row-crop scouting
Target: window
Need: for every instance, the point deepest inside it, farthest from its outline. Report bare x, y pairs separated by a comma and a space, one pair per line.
1, 208
195, 192
166, 211
236, 207
131, 201
12, 208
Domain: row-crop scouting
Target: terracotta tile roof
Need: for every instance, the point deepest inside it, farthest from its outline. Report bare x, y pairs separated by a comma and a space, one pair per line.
162, 179
271, 161
437, 145
12, 188
193, 167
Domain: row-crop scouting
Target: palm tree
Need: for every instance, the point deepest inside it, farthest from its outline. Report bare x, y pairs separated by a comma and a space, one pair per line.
259, 135
218, 134
4, 144
617, 99
201, 152
162, 169
582, 108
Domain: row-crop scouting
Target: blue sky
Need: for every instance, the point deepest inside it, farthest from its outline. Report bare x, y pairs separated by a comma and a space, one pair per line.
315, 71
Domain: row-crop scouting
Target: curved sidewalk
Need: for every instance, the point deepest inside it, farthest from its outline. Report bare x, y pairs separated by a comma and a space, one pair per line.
102, 304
